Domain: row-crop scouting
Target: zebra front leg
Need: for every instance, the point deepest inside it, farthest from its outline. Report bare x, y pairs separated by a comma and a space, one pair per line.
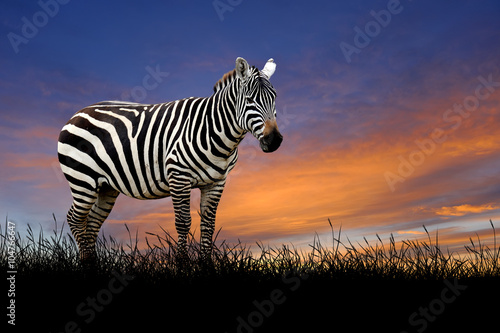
180, 190
210, 197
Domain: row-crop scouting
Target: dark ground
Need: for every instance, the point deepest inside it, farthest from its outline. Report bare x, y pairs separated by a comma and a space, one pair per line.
293, 303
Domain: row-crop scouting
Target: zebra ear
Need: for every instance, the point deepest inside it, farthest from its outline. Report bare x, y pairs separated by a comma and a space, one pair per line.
269, 68
242, 69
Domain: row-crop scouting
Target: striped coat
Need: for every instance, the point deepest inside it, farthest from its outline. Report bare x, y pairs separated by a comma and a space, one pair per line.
151, 151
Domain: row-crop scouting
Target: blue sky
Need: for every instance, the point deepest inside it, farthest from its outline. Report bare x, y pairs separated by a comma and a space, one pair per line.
346, 120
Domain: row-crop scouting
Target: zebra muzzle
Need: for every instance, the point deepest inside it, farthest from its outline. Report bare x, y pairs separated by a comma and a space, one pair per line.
271, 141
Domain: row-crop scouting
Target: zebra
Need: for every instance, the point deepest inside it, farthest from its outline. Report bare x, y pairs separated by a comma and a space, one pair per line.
152, 151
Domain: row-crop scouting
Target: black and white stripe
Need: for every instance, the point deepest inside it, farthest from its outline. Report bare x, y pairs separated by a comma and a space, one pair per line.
151, 151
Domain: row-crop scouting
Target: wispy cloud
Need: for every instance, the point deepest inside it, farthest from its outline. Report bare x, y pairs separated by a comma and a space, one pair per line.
466, 209
410, 232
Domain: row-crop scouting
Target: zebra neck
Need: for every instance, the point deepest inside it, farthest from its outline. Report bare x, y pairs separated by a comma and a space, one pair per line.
225, 133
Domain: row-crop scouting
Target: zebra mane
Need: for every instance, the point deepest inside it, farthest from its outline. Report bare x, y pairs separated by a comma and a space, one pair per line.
231, 76
225, 80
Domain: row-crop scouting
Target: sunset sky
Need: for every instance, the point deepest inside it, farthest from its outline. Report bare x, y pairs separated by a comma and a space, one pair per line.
390, 110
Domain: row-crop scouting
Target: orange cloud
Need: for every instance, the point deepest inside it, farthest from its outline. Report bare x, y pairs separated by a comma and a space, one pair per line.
465, 209
410, 232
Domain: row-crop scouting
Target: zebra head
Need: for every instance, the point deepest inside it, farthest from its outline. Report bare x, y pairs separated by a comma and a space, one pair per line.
256, 107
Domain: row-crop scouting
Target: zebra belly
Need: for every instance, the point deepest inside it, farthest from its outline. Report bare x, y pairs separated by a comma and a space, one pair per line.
93, 174
203, 169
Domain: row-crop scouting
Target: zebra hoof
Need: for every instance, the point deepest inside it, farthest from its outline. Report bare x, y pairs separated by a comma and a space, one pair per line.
88, 259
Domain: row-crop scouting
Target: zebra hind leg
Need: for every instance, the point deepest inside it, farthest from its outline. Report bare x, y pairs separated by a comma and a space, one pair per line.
97, 215
85, 217
78, 217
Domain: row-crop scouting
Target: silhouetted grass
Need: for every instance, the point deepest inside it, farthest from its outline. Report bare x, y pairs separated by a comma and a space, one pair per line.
408, 260
349, 287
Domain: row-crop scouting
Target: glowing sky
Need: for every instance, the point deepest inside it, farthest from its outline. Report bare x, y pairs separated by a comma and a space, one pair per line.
390, 110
